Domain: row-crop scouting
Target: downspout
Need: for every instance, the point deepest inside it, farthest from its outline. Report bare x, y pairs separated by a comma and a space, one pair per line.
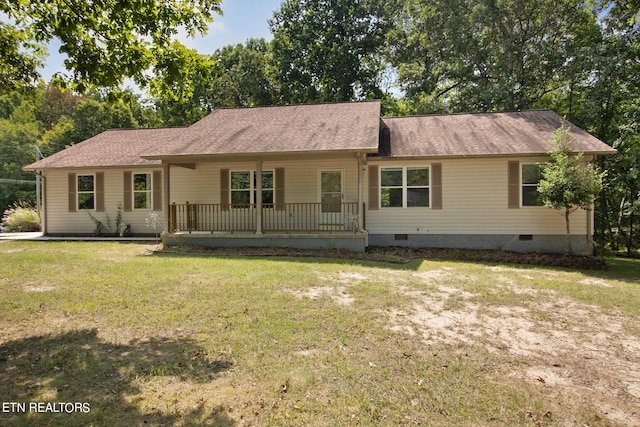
43, 207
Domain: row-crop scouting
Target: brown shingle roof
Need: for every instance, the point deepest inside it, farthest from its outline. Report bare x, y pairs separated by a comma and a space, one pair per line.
115, 147
484, 134
280, 129
326, 127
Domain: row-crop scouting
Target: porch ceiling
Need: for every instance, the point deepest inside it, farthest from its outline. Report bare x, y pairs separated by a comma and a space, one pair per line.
180, 160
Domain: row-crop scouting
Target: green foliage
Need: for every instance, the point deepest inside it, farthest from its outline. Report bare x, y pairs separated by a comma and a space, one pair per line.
238, 75
105, 42
107, 226
21, 217
328, 50
567, 184
19, 133
498, 55
21, 55
53, 119
242, 75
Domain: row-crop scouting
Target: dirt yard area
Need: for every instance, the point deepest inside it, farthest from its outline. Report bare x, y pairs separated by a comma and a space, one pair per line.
324, 338
572, 351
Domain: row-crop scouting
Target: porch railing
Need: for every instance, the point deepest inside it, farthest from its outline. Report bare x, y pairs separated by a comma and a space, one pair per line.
285, 217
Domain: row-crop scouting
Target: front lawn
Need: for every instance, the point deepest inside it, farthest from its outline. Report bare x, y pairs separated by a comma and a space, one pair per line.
115, 334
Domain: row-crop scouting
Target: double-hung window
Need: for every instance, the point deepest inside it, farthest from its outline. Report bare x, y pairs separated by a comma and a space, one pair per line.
142, 191
240, 188
244, 185
267, 187
530, 177
86, 192
403, 187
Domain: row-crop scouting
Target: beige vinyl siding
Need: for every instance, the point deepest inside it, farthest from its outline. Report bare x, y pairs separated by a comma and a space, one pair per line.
199, 185
61, 221
475, 201
202, 184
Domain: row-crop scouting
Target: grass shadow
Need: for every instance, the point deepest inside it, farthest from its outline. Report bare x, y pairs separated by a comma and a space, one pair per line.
311, 256
80, 367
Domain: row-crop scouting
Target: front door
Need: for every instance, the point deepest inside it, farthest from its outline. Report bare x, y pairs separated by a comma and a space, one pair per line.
331, 216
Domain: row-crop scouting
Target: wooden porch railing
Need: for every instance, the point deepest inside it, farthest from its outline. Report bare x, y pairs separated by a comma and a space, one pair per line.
286, 217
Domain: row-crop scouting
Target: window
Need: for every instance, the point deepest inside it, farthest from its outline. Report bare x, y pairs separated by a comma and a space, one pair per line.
417, 187
86, 192
267, 187
531, 175
403, 187
391, 192
142, 191
243, 188
331, 191
240, 188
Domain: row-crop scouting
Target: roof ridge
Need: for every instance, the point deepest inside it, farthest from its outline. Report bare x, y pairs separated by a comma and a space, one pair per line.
310, 104
126, 129
469, 113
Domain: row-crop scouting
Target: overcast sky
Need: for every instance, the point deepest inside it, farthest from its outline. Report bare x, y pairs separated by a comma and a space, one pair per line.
243, 19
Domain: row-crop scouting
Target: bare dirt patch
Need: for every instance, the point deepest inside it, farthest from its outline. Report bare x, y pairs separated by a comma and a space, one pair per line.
563, 347
38, 288
336, 289
338, 294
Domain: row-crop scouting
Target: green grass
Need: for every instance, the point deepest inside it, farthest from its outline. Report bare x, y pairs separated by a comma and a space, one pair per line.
182, 339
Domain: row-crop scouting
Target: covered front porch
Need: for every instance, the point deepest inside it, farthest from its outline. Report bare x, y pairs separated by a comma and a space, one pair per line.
279, 218
301, 203
296, 225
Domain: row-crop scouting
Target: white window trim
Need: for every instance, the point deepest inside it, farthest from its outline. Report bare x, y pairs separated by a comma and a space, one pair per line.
522, 205
404, 186
78, 192
252, 188
134, 191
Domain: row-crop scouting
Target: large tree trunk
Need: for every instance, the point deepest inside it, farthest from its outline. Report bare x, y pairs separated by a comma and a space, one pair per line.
620, 231
566, 218
630, 241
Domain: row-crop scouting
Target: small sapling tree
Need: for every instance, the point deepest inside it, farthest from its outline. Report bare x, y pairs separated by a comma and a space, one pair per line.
567, 182
154, 221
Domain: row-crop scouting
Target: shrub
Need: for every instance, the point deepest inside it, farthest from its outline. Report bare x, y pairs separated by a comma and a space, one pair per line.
21, 217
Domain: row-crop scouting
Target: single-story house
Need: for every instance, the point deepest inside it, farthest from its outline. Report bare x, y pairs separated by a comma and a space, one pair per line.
325, 175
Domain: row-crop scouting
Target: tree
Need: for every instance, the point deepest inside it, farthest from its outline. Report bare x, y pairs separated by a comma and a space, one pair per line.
242, 75
602, 98
328, 50
479, 55
566, 183
105, 41
18, 135
238, 75
54, 119
20, 56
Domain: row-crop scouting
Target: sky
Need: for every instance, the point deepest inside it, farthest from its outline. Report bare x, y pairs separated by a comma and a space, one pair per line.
242, 19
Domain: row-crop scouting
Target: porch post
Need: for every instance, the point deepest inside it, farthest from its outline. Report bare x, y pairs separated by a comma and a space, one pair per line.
258, 198
167, 197
361, 165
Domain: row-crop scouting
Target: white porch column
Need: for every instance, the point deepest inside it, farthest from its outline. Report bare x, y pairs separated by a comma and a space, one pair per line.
167, 195
362, 160
258, 198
